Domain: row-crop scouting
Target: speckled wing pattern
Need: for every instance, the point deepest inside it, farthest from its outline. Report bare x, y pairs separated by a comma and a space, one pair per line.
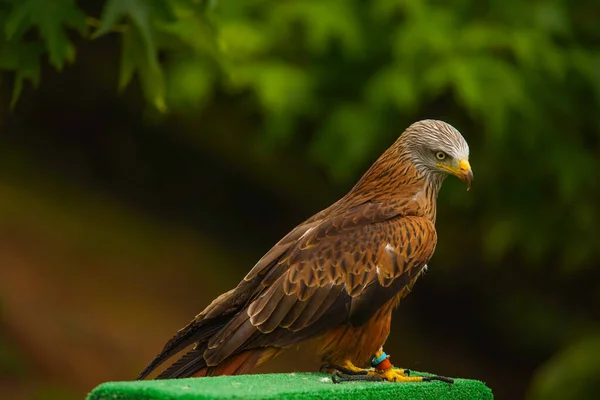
342, 268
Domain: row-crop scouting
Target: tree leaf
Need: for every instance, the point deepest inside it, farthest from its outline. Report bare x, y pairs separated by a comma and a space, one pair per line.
139, 47
50, 18
143, 13
24, 59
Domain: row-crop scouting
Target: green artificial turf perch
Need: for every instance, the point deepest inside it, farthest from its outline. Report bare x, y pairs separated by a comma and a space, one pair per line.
298, 386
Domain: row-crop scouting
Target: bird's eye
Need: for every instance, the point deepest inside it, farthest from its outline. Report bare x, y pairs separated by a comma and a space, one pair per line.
440, 155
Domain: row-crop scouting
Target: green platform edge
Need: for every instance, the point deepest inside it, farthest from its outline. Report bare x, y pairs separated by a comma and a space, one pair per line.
299, 386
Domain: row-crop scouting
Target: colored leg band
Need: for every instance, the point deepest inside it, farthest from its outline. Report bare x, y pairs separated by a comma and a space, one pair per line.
378, 360
382, 362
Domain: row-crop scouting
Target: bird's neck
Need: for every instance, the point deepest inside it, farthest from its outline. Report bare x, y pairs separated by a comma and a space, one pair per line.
396, 178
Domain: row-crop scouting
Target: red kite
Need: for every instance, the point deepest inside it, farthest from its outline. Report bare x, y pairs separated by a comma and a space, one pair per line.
336, 277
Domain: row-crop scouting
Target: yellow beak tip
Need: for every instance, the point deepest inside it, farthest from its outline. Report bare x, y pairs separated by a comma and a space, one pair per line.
465, 172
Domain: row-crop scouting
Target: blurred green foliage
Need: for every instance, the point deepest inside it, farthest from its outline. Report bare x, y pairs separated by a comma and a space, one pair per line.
350, 66
579, 381
520, 79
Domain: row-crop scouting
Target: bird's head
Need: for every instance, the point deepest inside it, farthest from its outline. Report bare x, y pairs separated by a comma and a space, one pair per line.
438, 148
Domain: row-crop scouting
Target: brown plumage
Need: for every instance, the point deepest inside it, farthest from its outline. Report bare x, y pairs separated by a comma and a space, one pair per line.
336, 277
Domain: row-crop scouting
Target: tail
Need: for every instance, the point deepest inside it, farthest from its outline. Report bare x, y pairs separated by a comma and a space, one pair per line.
195, 332
193, 364
188, 365
223, 338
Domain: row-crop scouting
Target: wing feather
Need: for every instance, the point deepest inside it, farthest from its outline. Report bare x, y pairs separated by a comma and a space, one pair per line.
344, 267
371, 261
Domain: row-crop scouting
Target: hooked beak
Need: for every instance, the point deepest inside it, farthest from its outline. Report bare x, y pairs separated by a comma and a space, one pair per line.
464, 172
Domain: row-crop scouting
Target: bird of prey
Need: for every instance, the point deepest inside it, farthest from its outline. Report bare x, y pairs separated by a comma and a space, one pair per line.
335, 278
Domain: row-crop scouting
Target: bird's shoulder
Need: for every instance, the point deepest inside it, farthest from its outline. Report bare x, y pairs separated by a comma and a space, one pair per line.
339, 217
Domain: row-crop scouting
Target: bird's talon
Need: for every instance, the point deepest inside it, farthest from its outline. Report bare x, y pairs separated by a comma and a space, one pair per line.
338, 378
403, 375
438, 378
326, 368
335, 377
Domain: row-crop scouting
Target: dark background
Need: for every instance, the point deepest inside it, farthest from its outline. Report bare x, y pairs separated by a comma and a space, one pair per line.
124, 212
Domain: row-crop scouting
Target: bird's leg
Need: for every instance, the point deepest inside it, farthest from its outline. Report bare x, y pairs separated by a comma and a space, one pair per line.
383, 370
